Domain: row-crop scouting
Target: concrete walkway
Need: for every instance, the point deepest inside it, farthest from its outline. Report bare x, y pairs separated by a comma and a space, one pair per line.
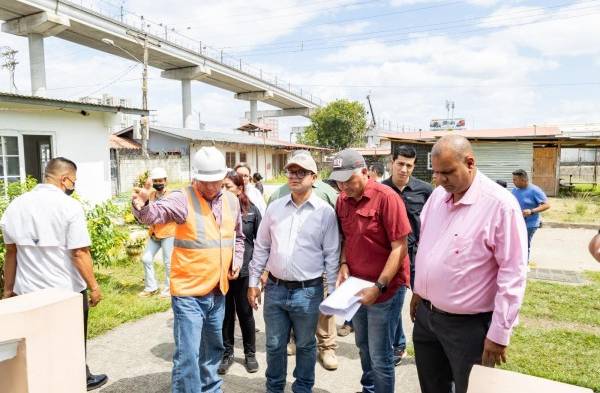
137, 358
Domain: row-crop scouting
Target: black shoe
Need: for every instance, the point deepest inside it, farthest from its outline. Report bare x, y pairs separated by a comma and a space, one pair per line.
251, 363
399, 354
96, 381
226, 362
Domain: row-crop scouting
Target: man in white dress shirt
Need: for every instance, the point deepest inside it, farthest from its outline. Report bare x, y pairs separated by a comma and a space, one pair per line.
297, 241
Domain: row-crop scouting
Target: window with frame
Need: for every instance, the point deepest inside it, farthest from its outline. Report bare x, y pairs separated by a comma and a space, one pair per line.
243, 157
230, 159
9, 160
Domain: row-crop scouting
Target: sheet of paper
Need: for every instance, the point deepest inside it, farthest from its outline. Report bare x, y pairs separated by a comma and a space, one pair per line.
343, 302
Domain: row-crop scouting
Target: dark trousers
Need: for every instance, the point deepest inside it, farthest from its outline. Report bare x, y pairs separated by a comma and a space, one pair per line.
86, 309
447, 347
236, 302
412, 255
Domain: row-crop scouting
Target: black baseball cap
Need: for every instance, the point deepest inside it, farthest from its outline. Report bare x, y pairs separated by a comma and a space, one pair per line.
344, 164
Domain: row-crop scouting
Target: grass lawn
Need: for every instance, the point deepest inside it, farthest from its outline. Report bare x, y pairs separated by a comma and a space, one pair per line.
120, 285
559, 334
576, 210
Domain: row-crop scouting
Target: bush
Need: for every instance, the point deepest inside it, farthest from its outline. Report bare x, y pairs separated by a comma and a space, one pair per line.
107, 237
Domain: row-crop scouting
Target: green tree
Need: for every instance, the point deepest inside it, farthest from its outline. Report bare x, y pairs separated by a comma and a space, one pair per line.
338, 125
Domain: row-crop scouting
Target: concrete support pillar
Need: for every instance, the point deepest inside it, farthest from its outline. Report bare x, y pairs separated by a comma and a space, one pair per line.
37, 64
253, 111
186, 102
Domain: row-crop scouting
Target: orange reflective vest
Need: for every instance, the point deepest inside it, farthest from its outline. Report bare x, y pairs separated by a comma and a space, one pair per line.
203, 250
162, 231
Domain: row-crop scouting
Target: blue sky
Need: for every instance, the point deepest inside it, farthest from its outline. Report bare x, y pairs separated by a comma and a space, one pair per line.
504, 63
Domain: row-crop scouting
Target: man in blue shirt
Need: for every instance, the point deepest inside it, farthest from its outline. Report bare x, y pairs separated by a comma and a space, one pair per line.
533, 201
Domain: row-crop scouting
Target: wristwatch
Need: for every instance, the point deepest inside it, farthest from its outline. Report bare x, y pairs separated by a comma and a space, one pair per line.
382, 287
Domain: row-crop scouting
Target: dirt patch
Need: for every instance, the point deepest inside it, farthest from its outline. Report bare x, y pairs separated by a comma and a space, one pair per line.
548, 324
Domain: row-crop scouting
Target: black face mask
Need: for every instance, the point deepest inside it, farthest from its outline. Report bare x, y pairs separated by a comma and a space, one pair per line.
158, 187
69, 192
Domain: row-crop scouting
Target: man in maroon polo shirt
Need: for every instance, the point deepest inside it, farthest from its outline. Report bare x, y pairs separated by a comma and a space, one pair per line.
375, 228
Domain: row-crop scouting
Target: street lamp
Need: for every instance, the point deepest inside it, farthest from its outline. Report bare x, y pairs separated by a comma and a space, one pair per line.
145, 123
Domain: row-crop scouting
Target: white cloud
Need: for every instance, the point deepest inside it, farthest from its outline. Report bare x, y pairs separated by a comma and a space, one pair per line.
336, 30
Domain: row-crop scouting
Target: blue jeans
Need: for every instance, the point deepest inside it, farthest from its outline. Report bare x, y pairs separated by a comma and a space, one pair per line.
197, 329
530, 232
399, 337
374, 331
286, 308
152, 248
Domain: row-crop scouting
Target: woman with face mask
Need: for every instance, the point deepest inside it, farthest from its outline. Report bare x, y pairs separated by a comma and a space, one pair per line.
160, 236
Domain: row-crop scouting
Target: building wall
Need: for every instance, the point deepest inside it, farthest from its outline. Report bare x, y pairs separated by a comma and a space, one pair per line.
257, 157
83, 139
498, 160
131, 166
160, 143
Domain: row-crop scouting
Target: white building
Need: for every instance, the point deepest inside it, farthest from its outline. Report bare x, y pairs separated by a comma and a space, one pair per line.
34, 129
172, 147
124, 119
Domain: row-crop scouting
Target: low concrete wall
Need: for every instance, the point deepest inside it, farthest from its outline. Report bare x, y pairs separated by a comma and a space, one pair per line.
50, 356
130, 167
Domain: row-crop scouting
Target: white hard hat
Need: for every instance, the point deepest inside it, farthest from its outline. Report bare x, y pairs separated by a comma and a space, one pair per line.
208, 164
158, 173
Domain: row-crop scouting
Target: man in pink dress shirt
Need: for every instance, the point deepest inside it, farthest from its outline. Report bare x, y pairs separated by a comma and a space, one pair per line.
470, 271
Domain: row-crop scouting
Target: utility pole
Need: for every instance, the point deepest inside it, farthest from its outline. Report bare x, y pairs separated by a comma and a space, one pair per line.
10, 64
146, 128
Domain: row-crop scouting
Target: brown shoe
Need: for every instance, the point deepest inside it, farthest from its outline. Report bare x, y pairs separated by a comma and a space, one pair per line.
148, 293
344, 330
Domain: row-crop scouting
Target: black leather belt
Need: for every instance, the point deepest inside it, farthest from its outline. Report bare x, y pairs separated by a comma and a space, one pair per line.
296, 284
433, 308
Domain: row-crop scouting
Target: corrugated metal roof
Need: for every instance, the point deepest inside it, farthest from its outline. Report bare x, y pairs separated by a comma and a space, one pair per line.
496, 133
55, 102
226, 137
116, 142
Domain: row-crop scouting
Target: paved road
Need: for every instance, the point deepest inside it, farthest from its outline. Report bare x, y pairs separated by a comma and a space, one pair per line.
563, 248
137, 357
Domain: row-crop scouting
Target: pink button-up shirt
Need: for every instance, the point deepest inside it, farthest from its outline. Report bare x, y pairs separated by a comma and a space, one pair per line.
472, 255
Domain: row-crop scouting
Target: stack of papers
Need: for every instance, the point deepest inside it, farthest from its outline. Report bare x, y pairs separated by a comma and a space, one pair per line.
343, 302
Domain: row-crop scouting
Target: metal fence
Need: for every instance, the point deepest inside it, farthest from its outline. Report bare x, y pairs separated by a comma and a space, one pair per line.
162, 31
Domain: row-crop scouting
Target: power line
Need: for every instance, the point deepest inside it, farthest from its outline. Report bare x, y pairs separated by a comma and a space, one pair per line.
460, 33
301, 11
460, 86
382, 15
408, 30
113, 81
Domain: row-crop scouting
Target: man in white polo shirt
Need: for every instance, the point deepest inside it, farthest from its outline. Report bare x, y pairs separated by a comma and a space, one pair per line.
47, 243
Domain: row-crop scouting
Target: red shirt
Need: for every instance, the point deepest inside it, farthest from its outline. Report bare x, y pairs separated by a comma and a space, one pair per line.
369, 226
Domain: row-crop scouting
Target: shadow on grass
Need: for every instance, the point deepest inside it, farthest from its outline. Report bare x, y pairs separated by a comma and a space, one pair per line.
108, 281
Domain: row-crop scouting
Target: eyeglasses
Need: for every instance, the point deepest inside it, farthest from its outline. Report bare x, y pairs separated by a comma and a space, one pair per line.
299, 174
71, 180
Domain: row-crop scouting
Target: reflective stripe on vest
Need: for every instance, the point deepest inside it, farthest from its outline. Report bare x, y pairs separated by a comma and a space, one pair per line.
203, 250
